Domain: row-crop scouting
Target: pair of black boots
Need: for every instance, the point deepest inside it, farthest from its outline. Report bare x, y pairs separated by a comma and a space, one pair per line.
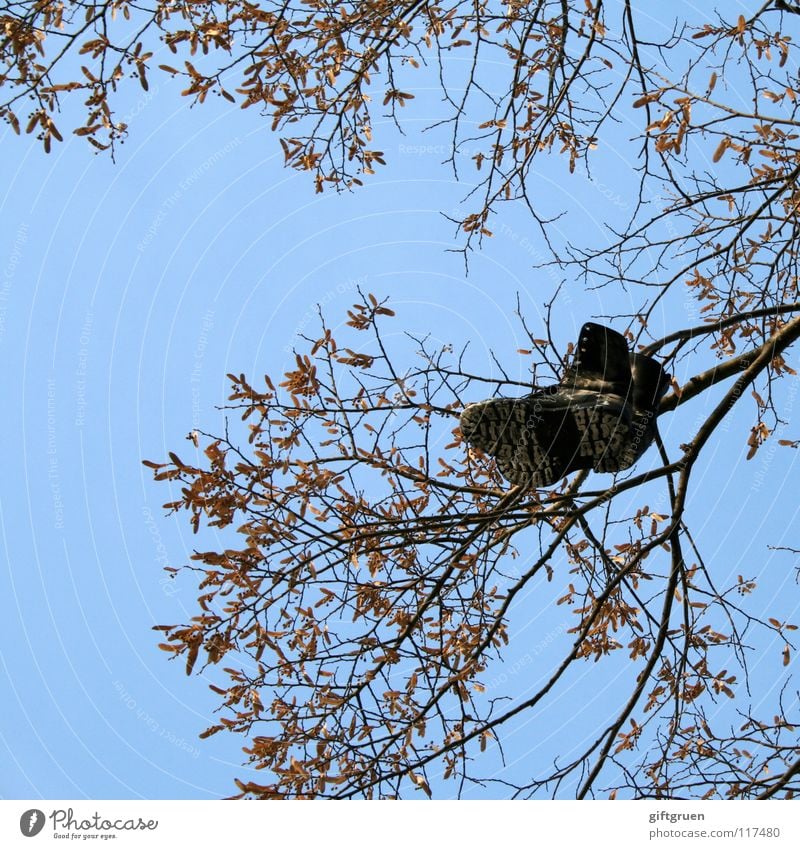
601, 416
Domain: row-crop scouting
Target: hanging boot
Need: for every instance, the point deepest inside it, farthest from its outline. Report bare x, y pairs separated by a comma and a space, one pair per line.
600, 416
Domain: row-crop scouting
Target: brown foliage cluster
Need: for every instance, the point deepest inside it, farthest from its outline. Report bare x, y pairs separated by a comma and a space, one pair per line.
542, 77
372, 588
366, 617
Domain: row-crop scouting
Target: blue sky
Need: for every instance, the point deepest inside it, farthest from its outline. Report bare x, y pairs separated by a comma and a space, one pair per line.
130, 289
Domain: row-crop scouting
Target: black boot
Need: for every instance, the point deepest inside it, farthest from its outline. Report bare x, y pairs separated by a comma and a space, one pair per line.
601, 415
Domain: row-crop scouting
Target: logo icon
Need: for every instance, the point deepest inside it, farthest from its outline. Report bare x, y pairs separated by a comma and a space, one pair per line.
31, 822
